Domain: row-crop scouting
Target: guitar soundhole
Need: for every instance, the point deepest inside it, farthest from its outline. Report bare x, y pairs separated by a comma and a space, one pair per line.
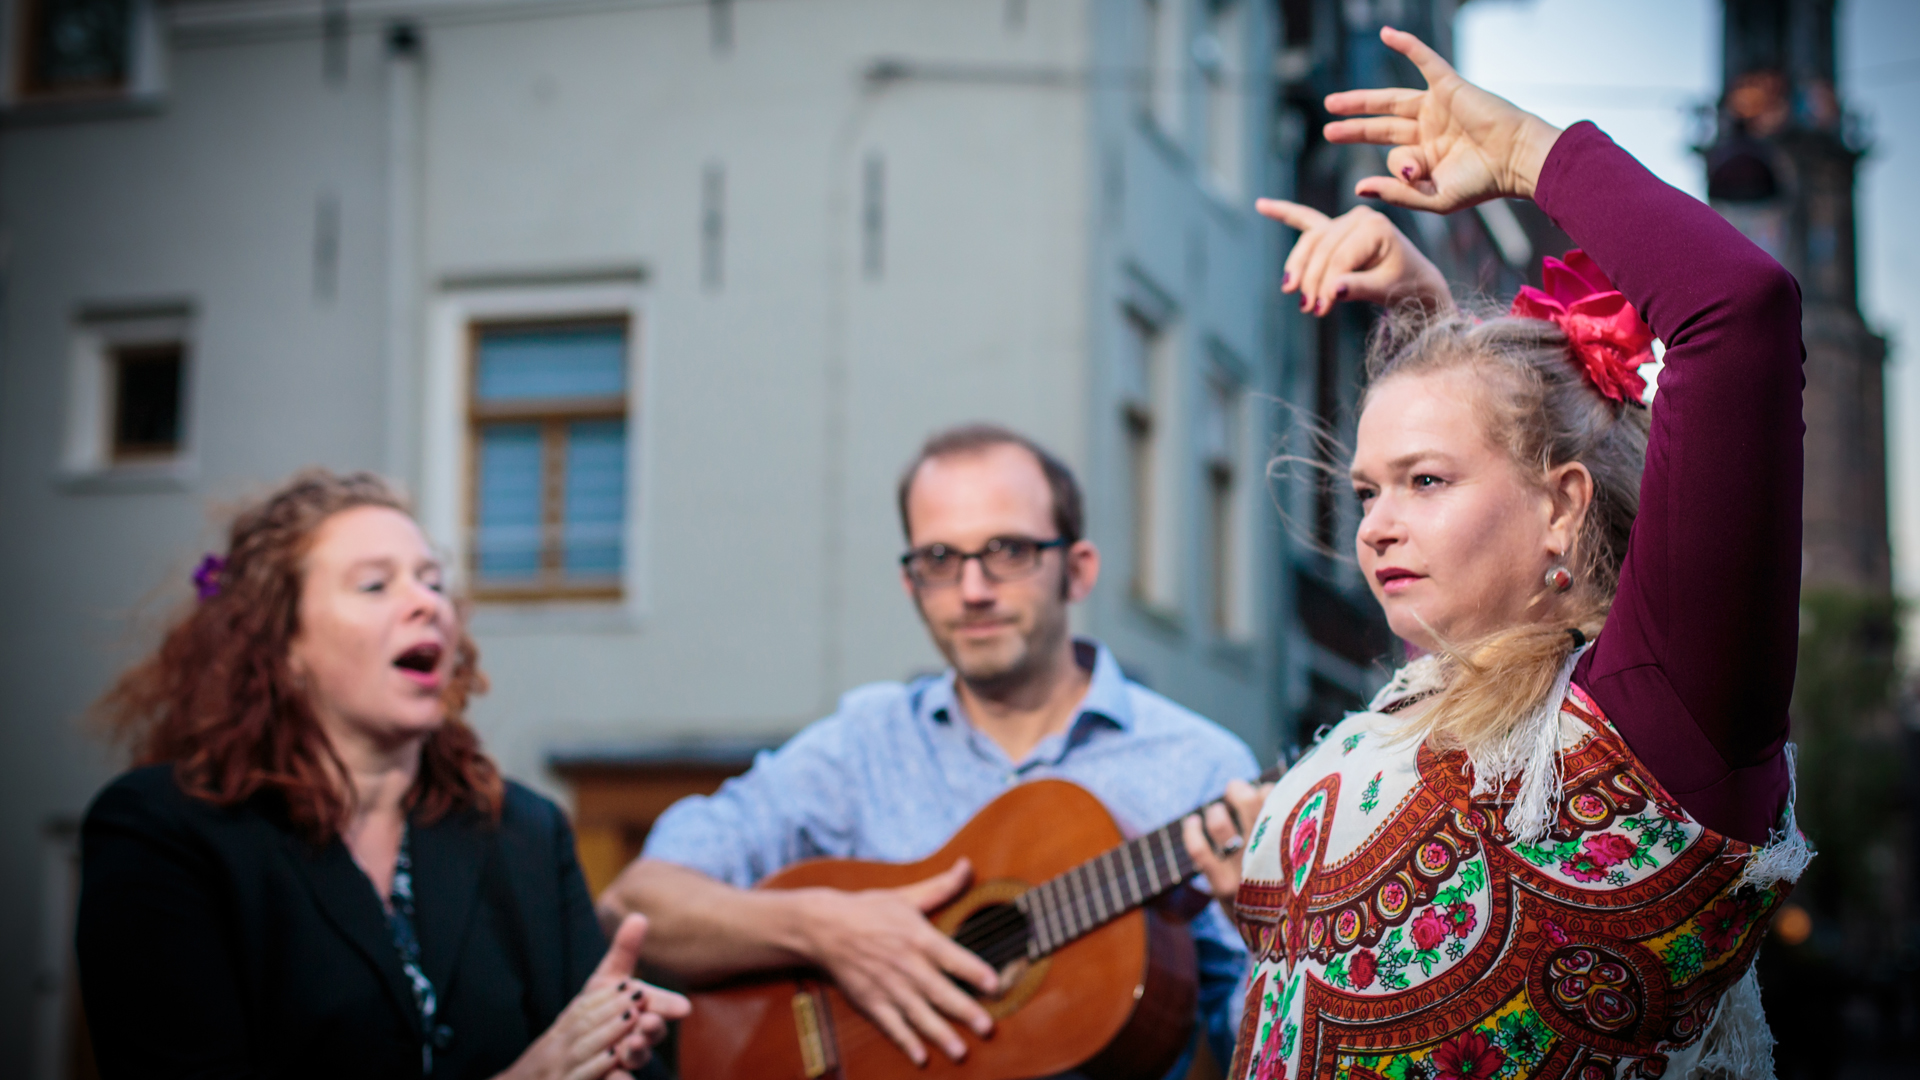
997, 933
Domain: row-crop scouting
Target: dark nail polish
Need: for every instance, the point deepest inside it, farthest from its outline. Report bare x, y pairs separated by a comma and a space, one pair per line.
1286, 278
1341, 291
638, 994
628, 1015
1306, 303
1406, 171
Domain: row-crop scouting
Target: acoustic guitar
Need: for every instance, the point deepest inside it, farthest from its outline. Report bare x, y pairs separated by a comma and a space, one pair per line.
1092, 978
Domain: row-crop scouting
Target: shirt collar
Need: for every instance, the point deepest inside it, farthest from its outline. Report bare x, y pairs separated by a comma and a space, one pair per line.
1107, 699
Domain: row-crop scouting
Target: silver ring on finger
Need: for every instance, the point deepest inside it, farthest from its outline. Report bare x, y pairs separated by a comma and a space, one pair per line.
1231, 846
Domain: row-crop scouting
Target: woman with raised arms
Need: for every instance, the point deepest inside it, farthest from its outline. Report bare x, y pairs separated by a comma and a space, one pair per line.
1552, 844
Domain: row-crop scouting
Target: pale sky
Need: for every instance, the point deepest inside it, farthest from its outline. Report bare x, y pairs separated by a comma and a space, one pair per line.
1636, 68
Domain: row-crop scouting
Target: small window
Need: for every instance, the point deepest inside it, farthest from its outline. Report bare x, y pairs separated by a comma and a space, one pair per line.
76, 48
1220, 439
1162, 60
1226, 90
548, 412
146, 400
130, 391
1148, 377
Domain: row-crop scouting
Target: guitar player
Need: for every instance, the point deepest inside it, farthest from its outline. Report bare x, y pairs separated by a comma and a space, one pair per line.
995, 557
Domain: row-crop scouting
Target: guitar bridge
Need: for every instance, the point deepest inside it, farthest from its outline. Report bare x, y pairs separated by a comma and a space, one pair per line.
816, 1041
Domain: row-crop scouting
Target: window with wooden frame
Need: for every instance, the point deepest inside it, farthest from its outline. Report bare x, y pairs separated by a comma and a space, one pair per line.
548, 430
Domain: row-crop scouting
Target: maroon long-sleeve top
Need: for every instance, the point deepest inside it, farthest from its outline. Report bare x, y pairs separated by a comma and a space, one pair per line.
1695, 666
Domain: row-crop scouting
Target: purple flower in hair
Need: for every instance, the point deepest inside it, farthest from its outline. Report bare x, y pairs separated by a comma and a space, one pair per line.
206, 576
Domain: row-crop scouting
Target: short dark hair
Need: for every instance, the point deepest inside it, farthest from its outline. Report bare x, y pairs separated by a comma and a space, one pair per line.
1069, 515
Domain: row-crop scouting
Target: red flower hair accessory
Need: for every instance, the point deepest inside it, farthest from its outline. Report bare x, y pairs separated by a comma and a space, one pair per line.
1604, 333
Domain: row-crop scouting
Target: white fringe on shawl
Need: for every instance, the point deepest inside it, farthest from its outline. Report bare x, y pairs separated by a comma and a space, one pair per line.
1787, 853
1739, 1045
1530, 753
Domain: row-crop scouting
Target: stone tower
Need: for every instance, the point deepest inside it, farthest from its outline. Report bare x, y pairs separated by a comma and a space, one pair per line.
1781, 168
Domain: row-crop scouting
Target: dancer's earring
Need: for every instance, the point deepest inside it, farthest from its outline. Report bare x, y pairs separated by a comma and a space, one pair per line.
1560, 579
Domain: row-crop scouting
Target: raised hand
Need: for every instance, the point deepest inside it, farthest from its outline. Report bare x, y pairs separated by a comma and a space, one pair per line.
895, 967
1454, 144
583, 1043
1217, 851
1359, 255
652, 1005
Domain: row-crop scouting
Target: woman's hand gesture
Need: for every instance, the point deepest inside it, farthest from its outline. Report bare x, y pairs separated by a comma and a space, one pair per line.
1359, 255
613, 1024
1214, 839
1454, 144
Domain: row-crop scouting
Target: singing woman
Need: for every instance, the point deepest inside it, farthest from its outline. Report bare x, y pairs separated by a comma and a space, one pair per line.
314, 870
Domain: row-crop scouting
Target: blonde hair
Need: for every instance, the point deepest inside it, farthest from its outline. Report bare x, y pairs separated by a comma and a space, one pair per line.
1540, 408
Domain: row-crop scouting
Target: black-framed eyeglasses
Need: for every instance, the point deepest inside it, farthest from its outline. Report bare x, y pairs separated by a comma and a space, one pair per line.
1004, 558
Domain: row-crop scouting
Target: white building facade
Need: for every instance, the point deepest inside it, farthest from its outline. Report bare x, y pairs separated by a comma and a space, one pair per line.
646, 303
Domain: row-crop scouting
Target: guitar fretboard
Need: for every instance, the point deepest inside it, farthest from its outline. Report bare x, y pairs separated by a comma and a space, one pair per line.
1104, 888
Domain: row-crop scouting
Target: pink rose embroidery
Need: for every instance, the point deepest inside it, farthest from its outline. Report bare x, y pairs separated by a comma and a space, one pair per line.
1363, 968
1429, 930
1606, 849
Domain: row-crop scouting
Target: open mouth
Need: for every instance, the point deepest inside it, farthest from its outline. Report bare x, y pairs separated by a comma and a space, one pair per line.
422, 658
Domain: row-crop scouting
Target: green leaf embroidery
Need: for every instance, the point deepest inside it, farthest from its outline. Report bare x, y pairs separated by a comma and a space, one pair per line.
1473, 876
1370, 798
1337, 972
1427, 958
1347, 744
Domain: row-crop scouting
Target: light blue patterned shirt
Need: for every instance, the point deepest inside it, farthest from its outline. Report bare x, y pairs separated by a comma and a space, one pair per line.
897, 770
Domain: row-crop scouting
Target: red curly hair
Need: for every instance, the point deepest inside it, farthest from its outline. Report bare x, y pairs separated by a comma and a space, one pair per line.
219, 701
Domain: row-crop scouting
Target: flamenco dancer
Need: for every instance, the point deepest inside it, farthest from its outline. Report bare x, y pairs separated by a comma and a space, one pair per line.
1552, 845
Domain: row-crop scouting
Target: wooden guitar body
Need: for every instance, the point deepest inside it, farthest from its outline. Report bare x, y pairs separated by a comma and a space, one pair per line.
1115, 1004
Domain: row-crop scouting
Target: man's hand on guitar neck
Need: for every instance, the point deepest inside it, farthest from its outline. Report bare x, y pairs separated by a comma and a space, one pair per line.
891, 962
1217, 851
877, 945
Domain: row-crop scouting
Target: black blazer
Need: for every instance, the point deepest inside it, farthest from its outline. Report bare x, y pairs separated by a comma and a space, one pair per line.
218, 943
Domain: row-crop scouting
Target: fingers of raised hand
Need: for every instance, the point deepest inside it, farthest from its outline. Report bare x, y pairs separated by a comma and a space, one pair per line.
1393, 101
1315, 295
603, 1024
1291, 214
1410, 165
1378, 130
1431, 64
663, 1003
